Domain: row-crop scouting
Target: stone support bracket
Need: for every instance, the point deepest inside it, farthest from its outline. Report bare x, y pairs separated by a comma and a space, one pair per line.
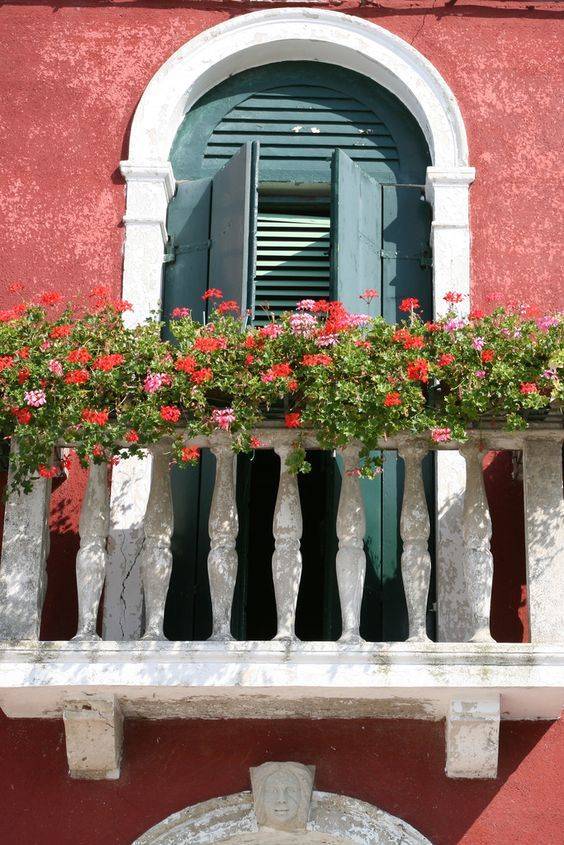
94, 737
472, 737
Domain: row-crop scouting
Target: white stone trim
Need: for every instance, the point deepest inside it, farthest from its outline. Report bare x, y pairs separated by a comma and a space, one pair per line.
94, 737
249, 41
472, 737
277, 679
334, 820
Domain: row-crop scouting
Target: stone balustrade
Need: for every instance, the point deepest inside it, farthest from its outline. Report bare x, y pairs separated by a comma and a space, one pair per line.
93, 683
22, 573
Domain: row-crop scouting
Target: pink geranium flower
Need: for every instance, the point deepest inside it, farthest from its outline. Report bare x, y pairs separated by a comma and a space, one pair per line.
154, 382
441, 435
35, 398
223, 418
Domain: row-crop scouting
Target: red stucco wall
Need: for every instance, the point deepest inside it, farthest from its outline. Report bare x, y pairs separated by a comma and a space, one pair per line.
72, 75
397, 765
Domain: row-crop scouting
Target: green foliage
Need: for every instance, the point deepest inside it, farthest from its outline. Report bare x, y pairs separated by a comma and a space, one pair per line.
109, 390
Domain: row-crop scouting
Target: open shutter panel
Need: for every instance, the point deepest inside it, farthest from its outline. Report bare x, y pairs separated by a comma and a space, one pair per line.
233, 225
356, 215
186, 258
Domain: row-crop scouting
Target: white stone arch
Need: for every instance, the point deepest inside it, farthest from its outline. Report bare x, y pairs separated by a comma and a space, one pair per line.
334, 820
249, 41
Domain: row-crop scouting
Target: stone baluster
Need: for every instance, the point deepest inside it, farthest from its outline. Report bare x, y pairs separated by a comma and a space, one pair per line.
156, 556
287, 557
91, 560
25, 548
477, 532
351, 559
414, 530
223, 528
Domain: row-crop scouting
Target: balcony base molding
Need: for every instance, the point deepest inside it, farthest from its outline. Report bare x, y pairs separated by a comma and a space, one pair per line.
277, 679
94, 737
93, 685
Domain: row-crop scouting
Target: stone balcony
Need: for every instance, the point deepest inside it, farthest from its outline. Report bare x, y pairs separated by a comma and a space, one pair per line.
93, 683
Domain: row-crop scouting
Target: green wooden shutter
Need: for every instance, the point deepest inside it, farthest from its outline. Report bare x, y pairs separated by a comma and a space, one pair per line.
211, 227
356, 231
233, 225
186, 259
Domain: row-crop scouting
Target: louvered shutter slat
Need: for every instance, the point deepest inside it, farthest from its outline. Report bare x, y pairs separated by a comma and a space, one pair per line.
293, 253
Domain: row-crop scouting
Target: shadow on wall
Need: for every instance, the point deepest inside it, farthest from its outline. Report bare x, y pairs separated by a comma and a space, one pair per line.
397, 765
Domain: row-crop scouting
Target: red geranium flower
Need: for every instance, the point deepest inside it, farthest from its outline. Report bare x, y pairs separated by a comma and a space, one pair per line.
77, 377
418, 370
445, 359
132, 436
187, 364
170, 413
23, 352
487, 355
293, 420
79, 356
108, 362
23, 415
213, 293
369, 294
528, 387
60, 331
228, 305
6, 361
210, 344
453, 296
201, 376
409, 304
319, 360
393, 398
476, 314
95, 417
190, 454
47, 472
180, 312
23, 375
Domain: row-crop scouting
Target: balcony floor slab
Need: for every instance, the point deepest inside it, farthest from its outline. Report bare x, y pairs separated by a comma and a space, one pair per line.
156, 679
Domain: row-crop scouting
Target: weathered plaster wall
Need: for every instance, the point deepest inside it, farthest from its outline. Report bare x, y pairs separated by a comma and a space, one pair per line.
72, 75
396, 765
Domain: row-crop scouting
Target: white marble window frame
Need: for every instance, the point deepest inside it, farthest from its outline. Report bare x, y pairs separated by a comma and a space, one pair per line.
201, 63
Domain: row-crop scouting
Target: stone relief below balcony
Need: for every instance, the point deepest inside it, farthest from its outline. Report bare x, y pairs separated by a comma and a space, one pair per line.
93, 683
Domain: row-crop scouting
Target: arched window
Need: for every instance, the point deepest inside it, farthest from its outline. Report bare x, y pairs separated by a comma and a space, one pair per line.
295, 180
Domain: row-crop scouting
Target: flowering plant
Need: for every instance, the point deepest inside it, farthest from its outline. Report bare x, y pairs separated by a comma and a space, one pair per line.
109, 390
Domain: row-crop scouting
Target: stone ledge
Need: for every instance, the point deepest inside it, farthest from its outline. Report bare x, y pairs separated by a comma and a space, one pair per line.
277, 680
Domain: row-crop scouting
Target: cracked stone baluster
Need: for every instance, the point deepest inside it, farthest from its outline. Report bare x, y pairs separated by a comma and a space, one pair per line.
156, 557
477, 532
91, 560
223, 528
287, 558
414, 530
351, 559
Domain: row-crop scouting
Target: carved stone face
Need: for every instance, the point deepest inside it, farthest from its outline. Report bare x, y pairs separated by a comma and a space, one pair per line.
282, 794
